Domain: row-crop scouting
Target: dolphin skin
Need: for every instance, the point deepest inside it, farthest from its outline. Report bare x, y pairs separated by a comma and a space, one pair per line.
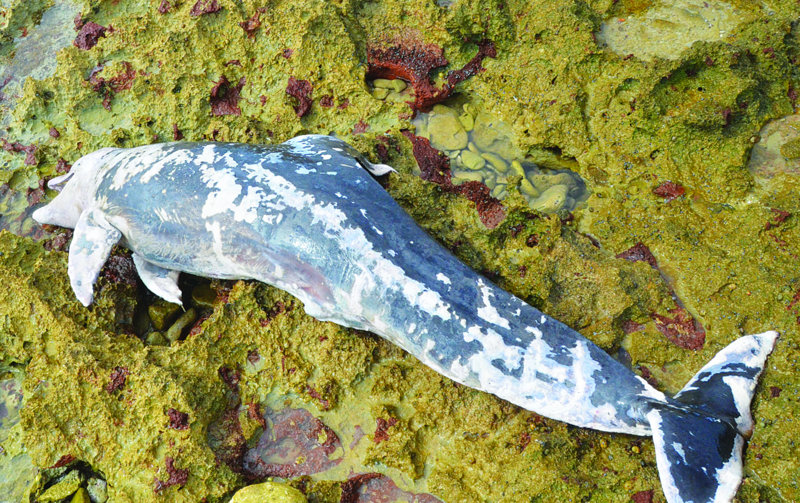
307, 216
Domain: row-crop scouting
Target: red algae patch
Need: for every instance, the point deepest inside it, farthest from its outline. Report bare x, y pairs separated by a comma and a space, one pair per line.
301, 91
117, 381
252, 24
205, 7
376, 487
297, 444
413, 62
28, 150
107, 88
225, 97
435, 167
177, 476
178, 420
381, 429
64, 460
490, 209
669, 190
681, 329
639, 253
779, 218
89, 34
119, 268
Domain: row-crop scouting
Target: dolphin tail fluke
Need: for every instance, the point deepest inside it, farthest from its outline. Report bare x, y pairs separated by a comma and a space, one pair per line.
699, 446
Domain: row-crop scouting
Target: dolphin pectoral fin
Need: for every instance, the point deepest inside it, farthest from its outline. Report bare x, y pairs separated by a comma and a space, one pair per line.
379, 169
91, 244
162, 282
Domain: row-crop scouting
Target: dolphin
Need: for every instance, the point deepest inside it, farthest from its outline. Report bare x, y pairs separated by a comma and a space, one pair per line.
308, 217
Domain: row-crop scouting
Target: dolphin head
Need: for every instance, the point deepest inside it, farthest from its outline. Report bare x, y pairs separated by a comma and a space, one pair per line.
76, 191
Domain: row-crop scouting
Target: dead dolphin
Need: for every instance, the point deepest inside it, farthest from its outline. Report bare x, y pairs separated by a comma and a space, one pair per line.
307, 217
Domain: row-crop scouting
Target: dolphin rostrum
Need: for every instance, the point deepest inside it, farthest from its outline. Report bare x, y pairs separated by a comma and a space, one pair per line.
307, 217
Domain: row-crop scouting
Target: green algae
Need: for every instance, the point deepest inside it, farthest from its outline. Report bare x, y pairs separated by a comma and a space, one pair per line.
625, 125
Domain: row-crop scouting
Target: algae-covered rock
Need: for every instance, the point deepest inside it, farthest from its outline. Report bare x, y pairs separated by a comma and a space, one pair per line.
62, 489
80, 496
777, 151
161, 313
268, 491
446, 130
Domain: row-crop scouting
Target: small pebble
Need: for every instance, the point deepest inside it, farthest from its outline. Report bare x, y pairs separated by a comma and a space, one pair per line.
517, 168
467, 121
490, 179
527, 187
380, 93
162, 313
467, 176
551, 200
64, 488
445, 130
397, 85
496, 161
563, 179
471, 160
174, 332
399, 97
80, 496
540, 181
498, 190
383, 83
156, 339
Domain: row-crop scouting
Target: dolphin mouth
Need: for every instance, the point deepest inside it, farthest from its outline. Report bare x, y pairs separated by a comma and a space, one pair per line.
59, 182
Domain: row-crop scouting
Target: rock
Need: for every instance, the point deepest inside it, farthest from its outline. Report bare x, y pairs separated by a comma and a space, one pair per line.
273, 492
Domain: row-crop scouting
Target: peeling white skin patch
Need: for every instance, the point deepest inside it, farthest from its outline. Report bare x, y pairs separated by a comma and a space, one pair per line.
489, 312
307, 217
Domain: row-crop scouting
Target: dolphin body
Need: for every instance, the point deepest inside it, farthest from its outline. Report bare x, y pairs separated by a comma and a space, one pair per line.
307, 217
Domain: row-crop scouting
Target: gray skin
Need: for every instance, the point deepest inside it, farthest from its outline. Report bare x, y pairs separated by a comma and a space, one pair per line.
307, 217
